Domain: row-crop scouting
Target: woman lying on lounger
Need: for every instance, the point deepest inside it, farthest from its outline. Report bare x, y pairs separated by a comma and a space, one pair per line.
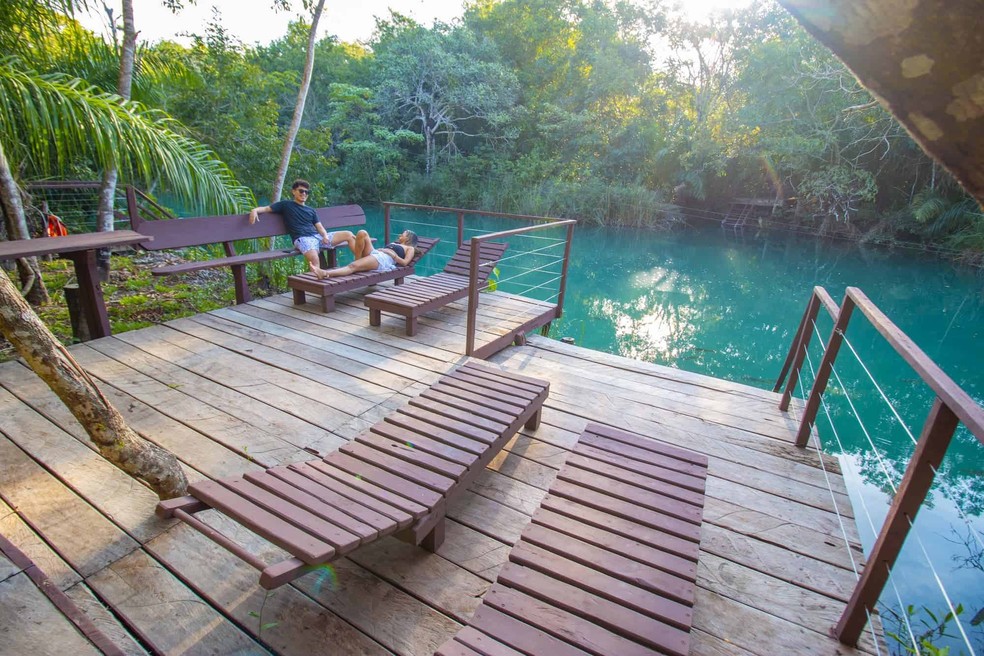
367, 258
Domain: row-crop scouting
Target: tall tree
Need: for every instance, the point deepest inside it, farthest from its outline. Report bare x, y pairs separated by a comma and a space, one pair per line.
107, 193
444, 84
316, 9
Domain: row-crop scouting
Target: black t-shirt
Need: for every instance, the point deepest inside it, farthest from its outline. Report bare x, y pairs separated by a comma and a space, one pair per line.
299, 219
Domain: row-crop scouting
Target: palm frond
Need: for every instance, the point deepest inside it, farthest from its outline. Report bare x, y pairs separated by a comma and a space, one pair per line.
50, 121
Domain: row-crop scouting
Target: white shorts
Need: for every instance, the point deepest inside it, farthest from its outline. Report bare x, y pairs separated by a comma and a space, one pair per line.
386, 263
311, 242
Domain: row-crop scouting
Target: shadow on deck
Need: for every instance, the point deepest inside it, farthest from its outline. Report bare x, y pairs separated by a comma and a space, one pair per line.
269, 383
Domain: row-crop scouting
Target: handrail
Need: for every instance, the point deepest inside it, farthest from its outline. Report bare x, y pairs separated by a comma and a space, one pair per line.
473, 273
543, 222
951, 407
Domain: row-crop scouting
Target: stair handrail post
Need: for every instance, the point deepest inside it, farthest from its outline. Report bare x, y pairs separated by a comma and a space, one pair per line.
824, 370
476, 247
794, 360
937, 432
386, 223
564, 269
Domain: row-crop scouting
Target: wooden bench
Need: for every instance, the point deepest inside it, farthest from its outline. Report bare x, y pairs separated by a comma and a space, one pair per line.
225, 230
308, 283
426, 294
398, 477
608, 563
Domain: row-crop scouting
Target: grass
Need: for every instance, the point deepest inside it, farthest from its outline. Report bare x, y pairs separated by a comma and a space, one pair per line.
134, 298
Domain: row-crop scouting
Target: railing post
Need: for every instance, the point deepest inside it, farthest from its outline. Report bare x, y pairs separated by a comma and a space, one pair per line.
386, 223
461, 229
476, 247
132, 209
823, 372
797, 352
933, 442
563, 271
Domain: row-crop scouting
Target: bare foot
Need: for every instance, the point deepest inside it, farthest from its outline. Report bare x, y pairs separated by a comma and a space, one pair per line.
319, 273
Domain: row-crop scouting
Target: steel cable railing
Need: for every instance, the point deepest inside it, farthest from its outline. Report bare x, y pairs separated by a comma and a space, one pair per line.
951, 407
520, 273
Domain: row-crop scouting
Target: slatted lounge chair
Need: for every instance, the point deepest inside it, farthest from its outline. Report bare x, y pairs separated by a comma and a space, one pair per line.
609, 561
396, 478
433, 292
308, 283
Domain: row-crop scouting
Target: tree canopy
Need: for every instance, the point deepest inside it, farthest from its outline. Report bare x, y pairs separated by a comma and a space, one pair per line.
619, 113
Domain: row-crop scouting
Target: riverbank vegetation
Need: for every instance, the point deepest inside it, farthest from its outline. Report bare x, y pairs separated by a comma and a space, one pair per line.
611, 113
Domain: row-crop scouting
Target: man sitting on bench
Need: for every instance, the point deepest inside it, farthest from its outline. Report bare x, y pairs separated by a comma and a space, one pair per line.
302, 223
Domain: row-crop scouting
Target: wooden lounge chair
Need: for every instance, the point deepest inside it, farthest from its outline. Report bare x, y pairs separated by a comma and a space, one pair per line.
397, 477
609, 561
432, 292
308, 283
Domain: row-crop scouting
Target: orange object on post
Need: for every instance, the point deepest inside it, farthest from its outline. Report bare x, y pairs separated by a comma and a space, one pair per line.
55, 227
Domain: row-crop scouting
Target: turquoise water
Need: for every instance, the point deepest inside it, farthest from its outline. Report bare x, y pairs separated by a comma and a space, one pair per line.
727, 305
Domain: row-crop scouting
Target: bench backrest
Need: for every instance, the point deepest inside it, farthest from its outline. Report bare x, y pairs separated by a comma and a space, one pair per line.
489, 253
198, 231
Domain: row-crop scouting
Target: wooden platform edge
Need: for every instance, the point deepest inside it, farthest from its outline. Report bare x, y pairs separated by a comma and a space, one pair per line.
61, 601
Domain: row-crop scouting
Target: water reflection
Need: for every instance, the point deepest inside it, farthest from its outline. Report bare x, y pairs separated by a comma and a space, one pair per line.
727, 305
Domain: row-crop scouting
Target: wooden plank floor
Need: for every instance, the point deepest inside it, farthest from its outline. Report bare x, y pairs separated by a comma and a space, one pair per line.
268, 383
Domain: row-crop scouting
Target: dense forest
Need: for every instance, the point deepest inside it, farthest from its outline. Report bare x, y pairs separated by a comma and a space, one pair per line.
614, 113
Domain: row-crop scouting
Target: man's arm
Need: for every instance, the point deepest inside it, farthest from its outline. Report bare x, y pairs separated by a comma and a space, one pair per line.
254, 214
321, 231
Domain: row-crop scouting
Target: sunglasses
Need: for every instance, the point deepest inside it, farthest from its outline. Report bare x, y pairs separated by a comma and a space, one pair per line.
304, 191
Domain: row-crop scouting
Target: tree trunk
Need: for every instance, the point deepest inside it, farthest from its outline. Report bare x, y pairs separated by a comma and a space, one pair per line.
295, 123
107, 193
116, 441
27, 268
922, 60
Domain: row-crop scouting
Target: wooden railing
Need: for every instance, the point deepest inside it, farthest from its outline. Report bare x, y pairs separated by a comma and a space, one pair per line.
951, 407
516, 333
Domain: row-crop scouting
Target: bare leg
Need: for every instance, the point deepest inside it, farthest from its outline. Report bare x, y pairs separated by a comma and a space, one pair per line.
312, 258
368, 263
344, 236
363, 245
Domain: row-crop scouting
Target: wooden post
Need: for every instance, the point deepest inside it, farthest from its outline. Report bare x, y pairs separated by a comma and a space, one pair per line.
386, 223
461, 229
90, 293
797, 352
823, 371
933, 442
476, 249
80, 327
563, 271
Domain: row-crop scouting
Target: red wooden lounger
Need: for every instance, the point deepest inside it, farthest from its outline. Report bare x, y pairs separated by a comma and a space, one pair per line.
308, 283
609, 561
426, 294
397, 477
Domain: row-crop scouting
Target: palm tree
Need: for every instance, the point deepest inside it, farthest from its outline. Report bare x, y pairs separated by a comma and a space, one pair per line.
47, 124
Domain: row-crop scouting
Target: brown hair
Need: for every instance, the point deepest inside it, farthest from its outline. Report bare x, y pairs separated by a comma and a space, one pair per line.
301, 183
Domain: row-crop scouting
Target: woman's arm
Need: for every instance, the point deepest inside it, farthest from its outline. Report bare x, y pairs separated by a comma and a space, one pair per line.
402, 261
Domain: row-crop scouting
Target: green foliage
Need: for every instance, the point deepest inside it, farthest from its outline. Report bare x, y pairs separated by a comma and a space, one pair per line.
929, 629
603, 112
49, 121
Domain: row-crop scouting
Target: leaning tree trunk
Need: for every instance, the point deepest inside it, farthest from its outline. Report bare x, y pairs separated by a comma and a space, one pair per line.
32, 285
116, 441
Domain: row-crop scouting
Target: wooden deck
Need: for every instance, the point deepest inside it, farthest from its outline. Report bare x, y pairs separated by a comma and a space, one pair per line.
267, 383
